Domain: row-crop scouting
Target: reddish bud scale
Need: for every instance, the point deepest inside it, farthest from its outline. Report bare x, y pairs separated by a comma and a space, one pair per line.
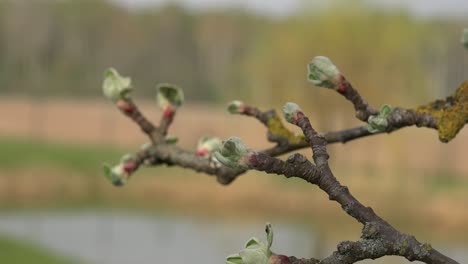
129, 166
201, 152
168, 112
244, 109
253, 160
126, 107
279, 259
342, 85
298, 118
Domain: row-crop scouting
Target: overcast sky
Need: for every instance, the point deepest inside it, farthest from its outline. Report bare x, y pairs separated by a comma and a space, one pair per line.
457, 8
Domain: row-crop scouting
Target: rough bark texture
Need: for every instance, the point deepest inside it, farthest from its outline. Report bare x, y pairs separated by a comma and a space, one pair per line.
378, 237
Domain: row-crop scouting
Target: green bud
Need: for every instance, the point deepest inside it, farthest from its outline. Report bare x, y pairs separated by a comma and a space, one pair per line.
290, 111
465, 38
169, 95
232, 153
379, 123
235, 107
323, 73
116, 175
116, 87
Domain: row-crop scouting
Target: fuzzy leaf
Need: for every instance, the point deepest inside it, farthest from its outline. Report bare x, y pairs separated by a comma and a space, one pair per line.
255, 251
323, 73
255, 255
377, 124
385, 111
116, 87
234, 259
169, 95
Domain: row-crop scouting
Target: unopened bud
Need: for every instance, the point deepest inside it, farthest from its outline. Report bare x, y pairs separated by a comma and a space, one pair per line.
116, 87
323, 73
379, 123
207, 145
232, 153
236, 107
290, 112
116, 175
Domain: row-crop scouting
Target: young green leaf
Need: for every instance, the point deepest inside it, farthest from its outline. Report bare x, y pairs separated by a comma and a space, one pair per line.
234, 259
379, 123
116, 87
169, 95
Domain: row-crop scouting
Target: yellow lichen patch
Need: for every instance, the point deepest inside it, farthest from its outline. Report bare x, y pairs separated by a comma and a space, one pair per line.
451, 113
276, 127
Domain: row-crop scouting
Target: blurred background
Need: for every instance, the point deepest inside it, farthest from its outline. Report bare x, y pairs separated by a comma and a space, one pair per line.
56, 129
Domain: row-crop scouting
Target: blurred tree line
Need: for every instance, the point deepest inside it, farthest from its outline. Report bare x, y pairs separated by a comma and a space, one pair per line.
61, 48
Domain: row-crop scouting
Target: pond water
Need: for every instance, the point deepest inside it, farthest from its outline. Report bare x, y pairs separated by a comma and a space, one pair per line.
97, 237
119, 237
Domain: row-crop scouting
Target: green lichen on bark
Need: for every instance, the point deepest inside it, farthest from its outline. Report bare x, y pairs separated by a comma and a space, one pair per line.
451, 113
404, 246
276, 127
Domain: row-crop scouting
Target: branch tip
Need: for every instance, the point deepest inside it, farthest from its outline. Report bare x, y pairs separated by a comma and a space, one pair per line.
169, 96
323, 73
116, 87
290, 112
236, 107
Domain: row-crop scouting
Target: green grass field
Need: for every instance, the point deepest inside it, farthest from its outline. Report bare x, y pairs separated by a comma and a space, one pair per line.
23, 153
24, 252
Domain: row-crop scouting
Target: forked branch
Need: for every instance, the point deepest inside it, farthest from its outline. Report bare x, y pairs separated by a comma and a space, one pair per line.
232, 158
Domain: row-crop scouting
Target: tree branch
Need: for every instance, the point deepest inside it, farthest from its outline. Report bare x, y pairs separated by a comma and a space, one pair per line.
379, 238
